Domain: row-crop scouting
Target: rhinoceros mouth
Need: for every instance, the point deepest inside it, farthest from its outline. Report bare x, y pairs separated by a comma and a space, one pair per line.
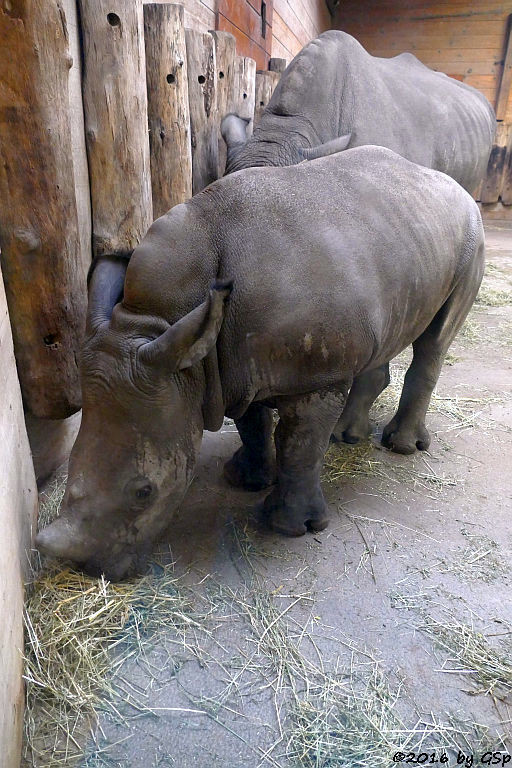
125, 566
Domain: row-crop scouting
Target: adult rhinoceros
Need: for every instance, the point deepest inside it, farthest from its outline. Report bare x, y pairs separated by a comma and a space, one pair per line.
362, 254
337, 95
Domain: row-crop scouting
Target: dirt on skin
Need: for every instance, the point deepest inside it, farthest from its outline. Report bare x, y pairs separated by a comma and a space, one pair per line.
392, 629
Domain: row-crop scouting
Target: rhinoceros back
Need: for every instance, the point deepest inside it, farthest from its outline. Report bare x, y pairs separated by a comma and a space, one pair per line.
334, 87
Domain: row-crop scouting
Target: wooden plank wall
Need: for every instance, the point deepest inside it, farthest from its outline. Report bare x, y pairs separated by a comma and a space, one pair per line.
253, 34
290, 24
465, 39
295, 23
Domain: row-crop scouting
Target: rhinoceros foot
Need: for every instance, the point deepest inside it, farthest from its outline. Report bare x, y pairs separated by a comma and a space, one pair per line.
352, 432
405, 438
294, 515
243, 471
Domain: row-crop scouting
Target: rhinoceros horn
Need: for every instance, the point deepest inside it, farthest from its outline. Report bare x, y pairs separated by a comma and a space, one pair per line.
106, 283
191, 338
65, 538
329, 148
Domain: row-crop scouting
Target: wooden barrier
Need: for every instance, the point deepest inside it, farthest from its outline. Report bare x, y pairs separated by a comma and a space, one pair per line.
244, 81
115, 106
265, 86
18, 506
43, 262
168, 109
225, 54
277, 65
202, 94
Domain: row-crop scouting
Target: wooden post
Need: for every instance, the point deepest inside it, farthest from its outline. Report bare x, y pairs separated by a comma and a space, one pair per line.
18, 509
506, 179
506, 76
43, 264
491, 185
202, 94
116, 123
277, 65
244, 82
168, 112
225, 54
265, 86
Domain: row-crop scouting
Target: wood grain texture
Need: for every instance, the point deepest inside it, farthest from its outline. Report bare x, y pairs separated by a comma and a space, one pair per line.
264, 88
168, 107
244, 82
506, 177
43, 263
243, 19
503, 96
115, 105
18, 508
202, 93
491, 186
225, 54
277, 65
295, 23
464, 39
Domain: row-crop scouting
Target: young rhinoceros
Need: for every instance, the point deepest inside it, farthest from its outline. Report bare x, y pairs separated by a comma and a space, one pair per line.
335, 266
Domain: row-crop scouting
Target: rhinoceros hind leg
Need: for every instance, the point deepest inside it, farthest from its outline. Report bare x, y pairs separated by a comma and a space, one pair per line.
297, 503
406, 431
354, 423
253, 465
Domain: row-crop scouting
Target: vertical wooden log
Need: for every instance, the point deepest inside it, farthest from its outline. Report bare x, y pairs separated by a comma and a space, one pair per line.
506, 179
277, 65
116, 124
76, 113
502, 98
265, 86
43, 264
168, 112
18, 507
202, 94
244, 83
225, 53
492, 183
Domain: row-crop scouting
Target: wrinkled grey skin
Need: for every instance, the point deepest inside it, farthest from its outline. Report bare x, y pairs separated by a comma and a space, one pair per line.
362, 254
334, 88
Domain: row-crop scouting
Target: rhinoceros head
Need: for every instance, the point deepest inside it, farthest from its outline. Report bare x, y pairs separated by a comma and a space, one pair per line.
141, 427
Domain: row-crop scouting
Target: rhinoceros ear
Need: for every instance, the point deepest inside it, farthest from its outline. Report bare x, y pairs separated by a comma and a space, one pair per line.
106, 283
329, 148
191, 338
234, 132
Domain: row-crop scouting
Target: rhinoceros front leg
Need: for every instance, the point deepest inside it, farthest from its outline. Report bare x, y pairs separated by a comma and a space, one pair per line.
354, 423
301, 437
253, 466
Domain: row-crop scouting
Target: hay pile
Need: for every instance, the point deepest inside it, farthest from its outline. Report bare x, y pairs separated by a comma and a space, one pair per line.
488, 667
79, 632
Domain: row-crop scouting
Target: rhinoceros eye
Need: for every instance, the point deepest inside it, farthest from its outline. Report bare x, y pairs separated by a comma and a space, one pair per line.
144, 492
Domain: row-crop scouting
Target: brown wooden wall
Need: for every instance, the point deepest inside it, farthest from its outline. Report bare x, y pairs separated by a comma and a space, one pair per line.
290, 24
250, 21
295, 23
468, 40
464, 38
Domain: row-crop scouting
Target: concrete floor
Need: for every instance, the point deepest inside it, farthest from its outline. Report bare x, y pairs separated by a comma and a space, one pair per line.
398, 554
